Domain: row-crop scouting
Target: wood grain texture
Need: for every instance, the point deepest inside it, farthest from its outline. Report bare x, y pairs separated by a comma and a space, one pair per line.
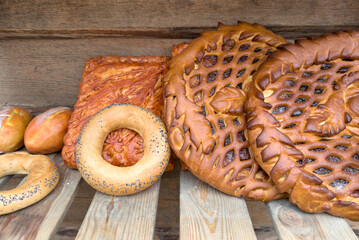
4, 180
206, 213
290, 32
46, 73
126, 217
44, 46
58, 14
292, 223
41, 220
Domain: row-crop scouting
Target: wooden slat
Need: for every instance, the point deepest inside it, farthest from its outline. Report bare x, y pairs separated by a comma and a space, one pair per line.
164, 19
47, 72
206, 213
292, 223
41, 220
126, 217
291, 32
58, 14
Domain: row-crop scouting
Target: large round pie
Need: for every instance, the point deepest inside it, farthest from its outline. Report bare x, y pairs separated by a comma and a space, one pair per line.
205, 90
303, 122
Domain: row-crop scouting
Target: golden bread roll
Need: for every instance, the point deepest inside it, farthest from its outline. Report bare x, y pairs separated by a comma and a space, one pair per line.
45, 133
13, 122
304, 122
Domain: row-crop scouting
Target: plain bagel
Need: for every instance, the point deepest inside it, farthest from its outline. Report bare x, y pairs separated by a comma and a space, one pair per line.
114, 180
41, 180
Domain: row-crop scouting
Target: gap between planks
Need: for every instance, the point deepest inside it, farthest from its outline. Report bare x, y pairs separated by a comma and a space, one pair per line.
121, 217
4, 180
206, 213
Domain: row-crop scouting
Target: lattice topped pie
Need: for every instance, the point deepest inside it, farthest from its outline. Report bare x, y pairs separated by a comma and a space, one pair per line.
206, 88
303, 122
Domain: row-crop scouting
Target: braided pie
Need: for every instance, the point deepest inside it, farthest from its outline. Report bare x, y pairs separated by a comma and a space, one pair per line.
303, 122
204, 94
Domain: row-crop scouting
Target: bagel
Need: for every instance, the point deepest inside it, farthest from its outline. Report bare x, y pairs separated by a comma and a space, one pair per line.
111, 179
42, 178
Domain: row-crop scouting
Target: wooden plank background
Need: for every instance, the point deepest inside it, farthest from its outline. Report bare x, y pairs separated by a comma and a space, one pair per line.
44, 45
173, 15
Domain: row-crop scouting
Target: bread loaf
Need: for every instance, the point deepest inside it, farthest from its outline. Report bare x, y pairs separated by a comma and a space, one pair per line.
13, 122
46, 132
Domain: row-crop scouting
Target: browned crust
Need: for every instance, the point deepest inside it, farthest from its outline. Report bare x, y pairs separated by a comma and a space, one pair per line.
190, 132
42, 178
13, 123
274, 151
113, 180
116, 80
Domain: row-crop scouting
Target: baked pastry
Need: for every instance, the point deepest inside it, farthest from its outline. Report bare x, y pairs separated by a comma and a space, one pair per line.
114, 80
45, 133
42, 178
13, 122
121, 181
303, 122
205, 90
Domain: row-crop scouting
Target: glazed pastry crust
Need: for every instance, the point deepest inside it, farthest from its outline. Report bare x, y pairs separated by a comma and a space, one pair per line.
303, 122
114, 80
203, 107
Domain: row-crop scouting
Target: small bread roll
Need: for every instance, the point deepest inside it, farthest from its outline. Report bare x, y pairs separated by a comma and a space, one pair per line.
46, 132
13, 122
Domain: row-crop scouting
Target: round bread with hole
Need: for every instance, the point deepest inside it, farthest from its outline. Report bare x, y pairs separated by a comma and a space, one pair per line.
13, 122
303, 122
113, 180
206, 87
45, 133
42, 177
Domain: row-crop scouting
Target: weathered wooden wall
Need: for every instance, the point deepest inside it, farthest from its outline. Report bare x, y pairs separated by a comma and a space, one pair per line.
44, 44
